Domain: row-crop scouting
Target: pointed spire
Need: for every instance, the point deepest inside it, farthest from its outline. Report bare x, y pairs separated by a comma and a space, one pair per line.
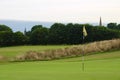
25, 31
100, 24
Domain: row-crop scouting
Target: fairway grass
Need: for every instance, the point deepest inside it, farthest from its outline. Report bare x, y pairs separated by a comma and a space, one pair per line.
107, 69
99, 66
15, 50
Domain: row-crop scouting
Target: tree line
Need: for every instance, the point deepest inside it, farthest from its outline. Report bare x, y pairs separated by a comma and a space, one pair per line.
58, 33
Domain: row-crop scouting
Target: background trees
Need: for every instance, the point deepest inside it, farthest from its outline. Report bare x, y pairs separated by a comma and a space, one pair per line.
9, 38
5, 28
58, 33
39, 35
19, 38
74, 33
113, 26
6, 38
6, 35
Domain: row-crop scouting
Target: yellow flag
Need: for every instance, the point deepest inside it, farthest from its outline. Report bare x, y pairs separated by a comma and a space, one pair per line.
84, 31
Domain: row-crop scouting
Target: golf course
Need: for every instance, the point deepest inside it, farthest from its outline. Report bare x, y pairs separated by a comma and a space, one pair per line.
99, 66
59, 39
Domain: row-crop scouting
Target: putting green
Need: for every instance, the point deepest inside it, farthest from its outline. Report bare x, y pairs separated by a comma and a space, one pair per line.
107, 69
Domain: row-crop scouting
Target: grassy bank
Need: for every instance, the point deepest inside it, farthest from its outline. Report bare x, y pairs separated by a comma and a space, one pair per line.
73, 51
53, 52
102, 69
104, 64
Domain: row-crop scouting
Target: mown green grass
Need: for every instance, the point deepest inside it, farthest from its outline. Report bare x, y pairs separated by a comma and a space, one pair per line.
13, 51
52, 70
97, 67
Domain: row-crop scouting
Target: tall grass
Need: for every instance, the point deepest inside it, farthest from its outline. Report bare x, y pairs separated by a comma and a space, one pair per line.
73, 51
3, 59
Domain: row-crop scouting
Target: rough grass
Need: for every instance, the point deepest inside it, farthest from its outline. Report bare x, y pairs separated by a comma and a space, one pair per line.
2, 58
102, 69
97, 56
73, 51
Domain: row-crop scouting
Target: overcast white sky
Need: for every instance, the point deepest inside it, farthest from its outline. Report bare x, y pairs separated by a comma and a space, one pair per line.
61, 10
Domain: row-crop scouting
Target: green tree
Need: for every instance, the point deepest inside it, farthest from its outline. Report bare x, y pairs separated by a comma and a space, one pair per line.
118, 26
5, 28
112, 25
6, 38
36, 27
74, 33
19, 38
103, 33
39, 36
57, 33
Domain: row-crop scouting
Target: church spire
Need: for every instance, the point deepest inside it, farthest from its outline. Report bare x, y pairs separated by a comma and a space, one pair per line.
100, 24
25, 31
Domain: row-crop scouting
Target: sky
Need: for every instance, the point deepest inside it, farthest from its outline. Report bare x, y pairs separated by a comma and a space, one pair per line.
82, 11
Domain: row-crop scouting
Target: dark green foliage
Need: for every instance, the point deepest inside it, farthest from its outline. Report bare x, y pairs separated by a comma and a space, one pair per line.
58, 33
103, 33
39, 36
74, 33
4, 28
113, 26
19, 38
118, 26
70, 33
36, 27
6, 38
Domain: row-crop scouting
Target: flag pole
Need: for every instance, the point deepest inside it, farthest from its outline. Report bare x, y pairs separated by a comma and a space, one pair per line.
83, 52
83, 55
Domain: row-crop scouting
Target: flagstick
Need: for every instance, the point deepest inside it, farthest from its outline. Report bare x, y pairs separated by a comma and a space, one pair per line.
84, 35
83, 55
